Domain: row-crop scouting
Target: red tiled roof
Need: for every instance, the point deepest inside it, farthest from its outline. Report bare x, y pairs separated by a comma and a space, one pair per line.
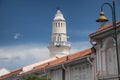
66, 58
16, 71
41, 66
11, 73
104, 27
58, 61
107, 26
3, 76
80, 54
54, 63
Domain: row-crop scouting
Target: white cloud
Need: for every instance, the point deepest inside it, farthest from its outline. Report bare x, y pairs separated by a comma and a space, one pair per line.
17, 36
22, 54
13, 57
23, 51
77, 46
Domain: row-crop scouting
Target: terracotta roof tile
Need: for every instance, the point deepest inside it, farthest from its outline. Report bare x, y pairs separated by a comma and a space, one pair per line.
107, 26
41, 66
104, 27
65, 58
12, 73
6, 75
80, 54
16, 71
58, 61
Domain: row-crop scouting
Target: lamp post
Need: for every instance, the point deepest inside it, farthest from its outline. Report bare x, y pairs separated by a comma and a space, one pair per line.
103, 19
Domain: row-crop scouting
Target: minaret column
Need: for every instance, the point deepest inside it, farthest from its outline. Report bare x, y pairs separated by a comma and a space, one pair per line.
59, 44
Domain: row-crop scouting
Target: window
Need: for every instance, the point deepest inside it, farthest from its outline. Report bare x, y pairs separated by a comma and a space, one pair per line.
56, 24
110, 55
56, 74
81, 72
59, 25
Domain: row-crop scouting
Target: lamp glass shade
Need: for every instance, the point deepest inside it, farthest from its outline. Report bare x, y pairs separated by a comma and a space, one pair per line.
102, 18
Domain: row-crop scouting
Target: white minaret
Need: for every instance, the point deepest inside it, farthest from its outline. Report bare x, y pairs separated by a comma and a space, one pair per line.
59, 45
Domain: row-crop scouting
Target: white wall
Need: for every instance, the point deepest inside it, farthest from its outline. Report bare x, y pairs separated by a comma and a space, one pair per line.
4, 71
81, 72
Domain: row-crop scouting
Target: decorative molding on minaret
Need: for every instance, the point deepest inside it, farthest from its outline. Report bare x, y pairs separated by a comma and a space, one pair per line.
59, 44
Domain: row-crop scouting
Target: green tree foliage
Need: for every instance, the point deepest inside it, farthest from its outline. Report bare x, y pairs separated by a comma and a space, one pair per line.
34, 77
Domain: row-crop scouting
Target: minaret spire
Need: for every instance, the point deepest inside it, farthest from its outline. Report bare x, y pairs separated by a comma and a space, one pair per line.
59, 44
58, 8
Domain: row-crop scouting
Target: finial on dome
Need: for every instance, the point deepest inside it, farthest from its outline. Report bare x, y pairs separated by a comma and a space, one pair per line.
58, 15
58, 8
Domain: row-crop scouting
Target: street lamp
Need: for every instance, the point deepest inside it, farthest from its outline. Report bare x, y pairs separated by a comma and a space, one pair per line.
103, 19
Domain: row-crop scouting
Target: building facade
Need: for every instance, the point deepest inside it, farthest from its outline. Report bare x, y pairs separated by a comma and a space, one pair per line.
106, 57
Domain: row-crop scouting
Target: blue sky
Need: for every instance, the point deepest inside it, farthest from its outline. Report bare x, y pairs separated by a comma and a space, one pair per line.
26, 25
